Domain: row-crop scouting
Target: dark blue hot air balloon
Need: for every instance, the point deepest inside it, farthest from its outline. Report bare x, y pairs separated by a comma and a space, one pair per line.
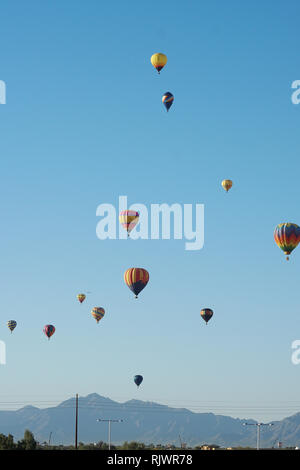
11, 325
138, 379
167, 100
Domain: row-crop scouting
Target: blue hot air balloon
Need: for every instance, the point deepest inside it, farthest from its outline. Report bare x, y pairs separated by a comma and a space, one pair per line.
167, 100
11, 325
138, 379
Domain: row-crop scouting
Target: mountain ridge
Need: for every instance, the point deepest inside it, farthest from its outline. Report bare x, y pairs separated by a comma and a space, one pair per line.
147, 422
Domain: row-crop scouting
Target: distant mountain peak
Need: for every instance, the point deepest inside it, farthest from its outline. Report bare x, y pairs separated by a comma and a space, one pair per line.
91, 398
95, 397
28, 408
136, 402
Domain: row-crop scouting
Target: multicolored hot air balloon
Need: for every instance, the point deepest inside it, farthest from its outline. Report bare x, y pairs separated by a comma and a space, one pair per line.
49, 330
287, 237
138, 379
81, 297
11, 325
158, 61
167, 100
206, 314
227, 184
129, 219
136, 279
98, 313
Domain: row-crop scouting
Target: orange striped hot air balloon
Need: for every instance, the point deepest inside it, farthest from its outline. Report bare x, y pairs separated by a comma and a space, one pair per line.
98, 313
129, 219
136, 279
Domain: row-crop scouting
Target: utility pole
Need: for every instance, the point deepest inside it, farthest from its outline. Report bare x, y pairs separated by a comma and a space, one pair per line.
109, 421
258, 426
76, 422
182, 444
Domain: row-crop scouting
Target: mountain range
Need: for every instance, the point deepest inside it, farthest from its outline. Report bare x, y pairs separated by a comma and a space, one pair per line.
146, 422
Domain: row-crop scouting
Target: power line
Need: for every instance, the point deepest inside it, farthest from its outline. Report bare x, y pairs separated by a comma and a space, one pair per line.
220, 407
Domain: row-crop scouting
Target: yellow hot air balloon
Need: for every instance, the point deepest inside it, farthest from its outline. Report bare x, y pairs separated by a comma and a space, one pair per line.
129, 219
226, 184
81, 297
158, 61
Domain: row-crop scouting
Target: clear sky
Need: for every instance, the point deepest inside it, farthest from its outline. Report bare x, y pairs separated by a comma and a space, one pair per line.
83, 124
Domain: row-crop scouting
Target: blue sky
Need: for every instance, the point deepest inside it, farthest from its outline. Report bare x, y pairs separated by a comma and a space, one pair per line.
83, 124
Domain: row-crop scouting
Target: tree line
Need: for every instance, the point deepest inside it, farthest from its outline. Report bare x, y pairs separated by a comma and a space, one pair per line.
29, 443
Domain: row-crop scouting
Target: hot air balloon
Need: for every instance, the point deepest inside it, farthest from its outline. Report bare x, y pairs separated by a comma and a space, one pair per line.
227, 185
129, 219
287, 237
11, 325
49, 330
98, 313
206, 314
136, 279
138, 379
81, 297
158, 61
167, 100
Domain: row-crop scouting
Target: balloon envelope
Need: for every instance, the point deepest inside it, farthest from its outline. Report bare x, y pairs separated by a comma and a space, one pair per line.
98, 313
129, 219
287, 237
167, 100
136, 279
227, 184
138, 379
159, 60
11, 325
49, 330
206, 314
81, 297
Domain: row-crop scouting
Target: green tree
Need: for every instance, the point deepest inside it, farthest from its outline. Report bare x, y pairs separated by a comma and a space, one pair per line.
7, 442
133, 445
28, 442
